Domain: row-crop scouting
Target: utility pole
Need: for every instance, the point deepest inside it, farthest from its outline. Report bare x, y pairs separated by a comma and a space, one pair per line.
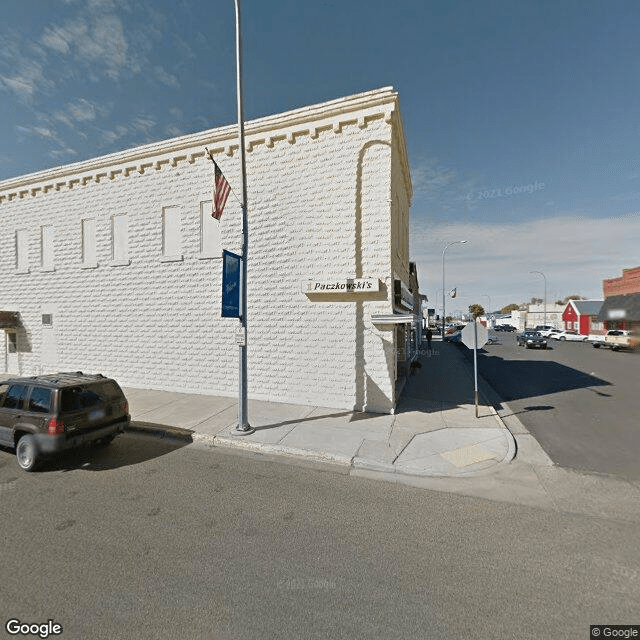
243, 427
443, 291
545, 294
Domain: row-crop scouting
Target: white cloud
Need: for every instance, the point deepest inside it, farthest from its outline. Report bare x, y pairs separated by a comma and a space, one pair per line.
166, 78
83, 110
64, 153
57, 39
43, 132
441, 188
98, 41
143, 123
27, 81
174, 131
574, 253
111, 136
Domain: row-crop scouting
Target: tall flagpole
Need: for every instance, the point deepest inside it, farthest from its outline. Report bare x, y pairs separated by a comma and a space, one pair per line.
243, 426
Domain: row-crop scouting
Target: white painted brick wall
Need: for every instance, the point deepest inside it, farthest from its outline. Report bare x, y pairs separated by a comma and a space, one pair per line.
318, 206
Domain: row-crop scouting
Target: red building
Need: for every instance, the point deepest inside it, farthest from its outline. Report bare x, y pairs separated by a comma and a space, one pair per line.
582, 316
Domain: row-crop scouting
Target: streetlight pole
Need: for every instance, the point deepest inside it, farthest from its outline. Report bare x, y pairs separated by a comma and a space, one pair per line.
443, 291
488, 311
243, 427
545, 294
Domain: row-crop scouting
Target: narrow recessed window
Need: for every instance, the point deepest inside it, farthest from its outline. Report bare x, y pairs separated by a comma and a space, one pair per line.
120, 240
210, 244
171, 233
12, 342
47, 319
89, 243
22, 251
46, 248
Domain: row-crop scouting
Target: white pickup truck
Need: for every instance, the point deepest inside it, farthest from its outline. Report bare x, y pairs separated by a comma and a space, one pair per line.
615, 339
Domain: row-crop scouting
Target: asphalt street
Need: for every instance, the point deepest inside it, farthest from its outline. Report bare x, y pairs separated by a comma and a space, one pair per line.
149, 539
581, 404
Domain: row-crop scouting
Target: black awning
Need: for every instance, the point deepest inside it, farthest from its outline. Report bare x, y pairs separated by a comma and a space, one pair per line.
10, 320
621, 308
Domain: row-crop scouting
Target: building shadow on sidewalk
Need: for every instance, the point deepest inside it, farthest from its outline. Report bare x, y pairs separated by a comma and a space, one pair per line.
445, 379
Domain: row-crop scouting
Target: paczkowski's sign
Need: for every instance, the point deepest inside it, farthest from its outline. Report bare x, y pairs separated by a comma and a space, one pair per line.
342, 285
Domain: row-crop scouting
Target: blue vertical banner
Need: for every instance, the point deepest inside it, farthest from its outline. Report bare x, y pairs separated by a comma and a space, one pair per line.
231, 271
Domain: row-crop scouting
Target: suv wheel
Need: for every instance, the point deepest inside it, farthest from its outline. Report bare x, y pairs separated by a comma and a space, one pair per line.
27, 453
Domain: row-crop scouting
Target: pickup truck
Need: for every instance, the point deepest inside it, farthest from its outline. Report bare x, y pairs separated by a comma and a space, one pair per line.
616, 339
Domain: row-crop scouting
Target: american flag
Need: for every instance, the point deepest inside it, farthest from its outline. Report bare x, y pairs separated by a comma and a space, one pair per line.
221, 190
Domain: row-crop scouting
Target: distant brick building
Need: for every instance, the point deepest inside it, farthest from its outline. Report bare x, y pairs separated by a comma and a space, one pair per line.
628, 283
621, 308
114, 264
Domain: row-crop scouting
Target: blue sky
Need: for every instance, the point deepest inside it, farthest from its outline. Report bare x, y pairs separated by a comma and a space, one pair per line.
522, 118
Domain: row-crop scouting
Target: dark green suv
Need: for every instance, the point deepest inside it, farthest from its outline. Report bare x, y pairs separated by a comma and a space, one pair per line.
46, 414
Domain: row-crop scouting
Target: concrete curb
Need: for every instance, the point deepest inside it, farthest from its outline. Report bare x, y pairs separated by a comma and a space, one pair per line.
512, 447
161, 431
238, 442
230, 442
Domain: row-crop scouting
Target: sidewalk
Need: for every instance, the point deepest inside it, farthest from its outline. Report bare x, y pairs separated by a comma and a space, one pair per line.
434, 441
435, 431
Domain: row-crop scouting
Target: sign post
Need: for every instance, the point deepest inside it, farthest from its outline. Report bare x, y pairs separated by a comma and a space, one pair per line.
475, 337
475, 364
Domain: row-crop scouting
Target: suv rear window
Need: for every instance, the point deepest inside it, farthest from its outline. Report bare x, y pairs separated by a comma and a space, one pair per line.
77, 398
40, 400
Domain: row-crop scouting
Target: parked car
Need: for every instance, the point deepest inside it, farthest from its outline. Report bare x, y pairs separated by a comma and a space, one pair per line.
549, 333
46, 414
531, 340
453, 336
504, 327
543, 327
569, 335
616, 339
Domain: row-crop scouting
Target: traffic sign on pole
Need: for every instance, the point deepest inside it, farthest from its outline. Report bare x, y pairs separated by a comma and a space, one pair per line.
468, 335
475, 336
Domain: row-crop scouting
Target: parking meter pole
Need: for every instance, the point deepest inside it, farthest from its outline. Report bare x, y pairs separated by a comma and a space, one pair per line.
475, 363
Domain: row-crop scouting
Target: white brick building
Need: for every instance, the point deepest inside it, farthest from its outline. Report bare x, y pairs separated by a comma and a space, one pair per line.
114, 264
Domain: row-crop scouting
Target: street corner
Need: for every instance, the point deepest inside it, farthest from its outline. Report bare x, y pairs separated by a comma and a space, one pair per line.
454, 452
